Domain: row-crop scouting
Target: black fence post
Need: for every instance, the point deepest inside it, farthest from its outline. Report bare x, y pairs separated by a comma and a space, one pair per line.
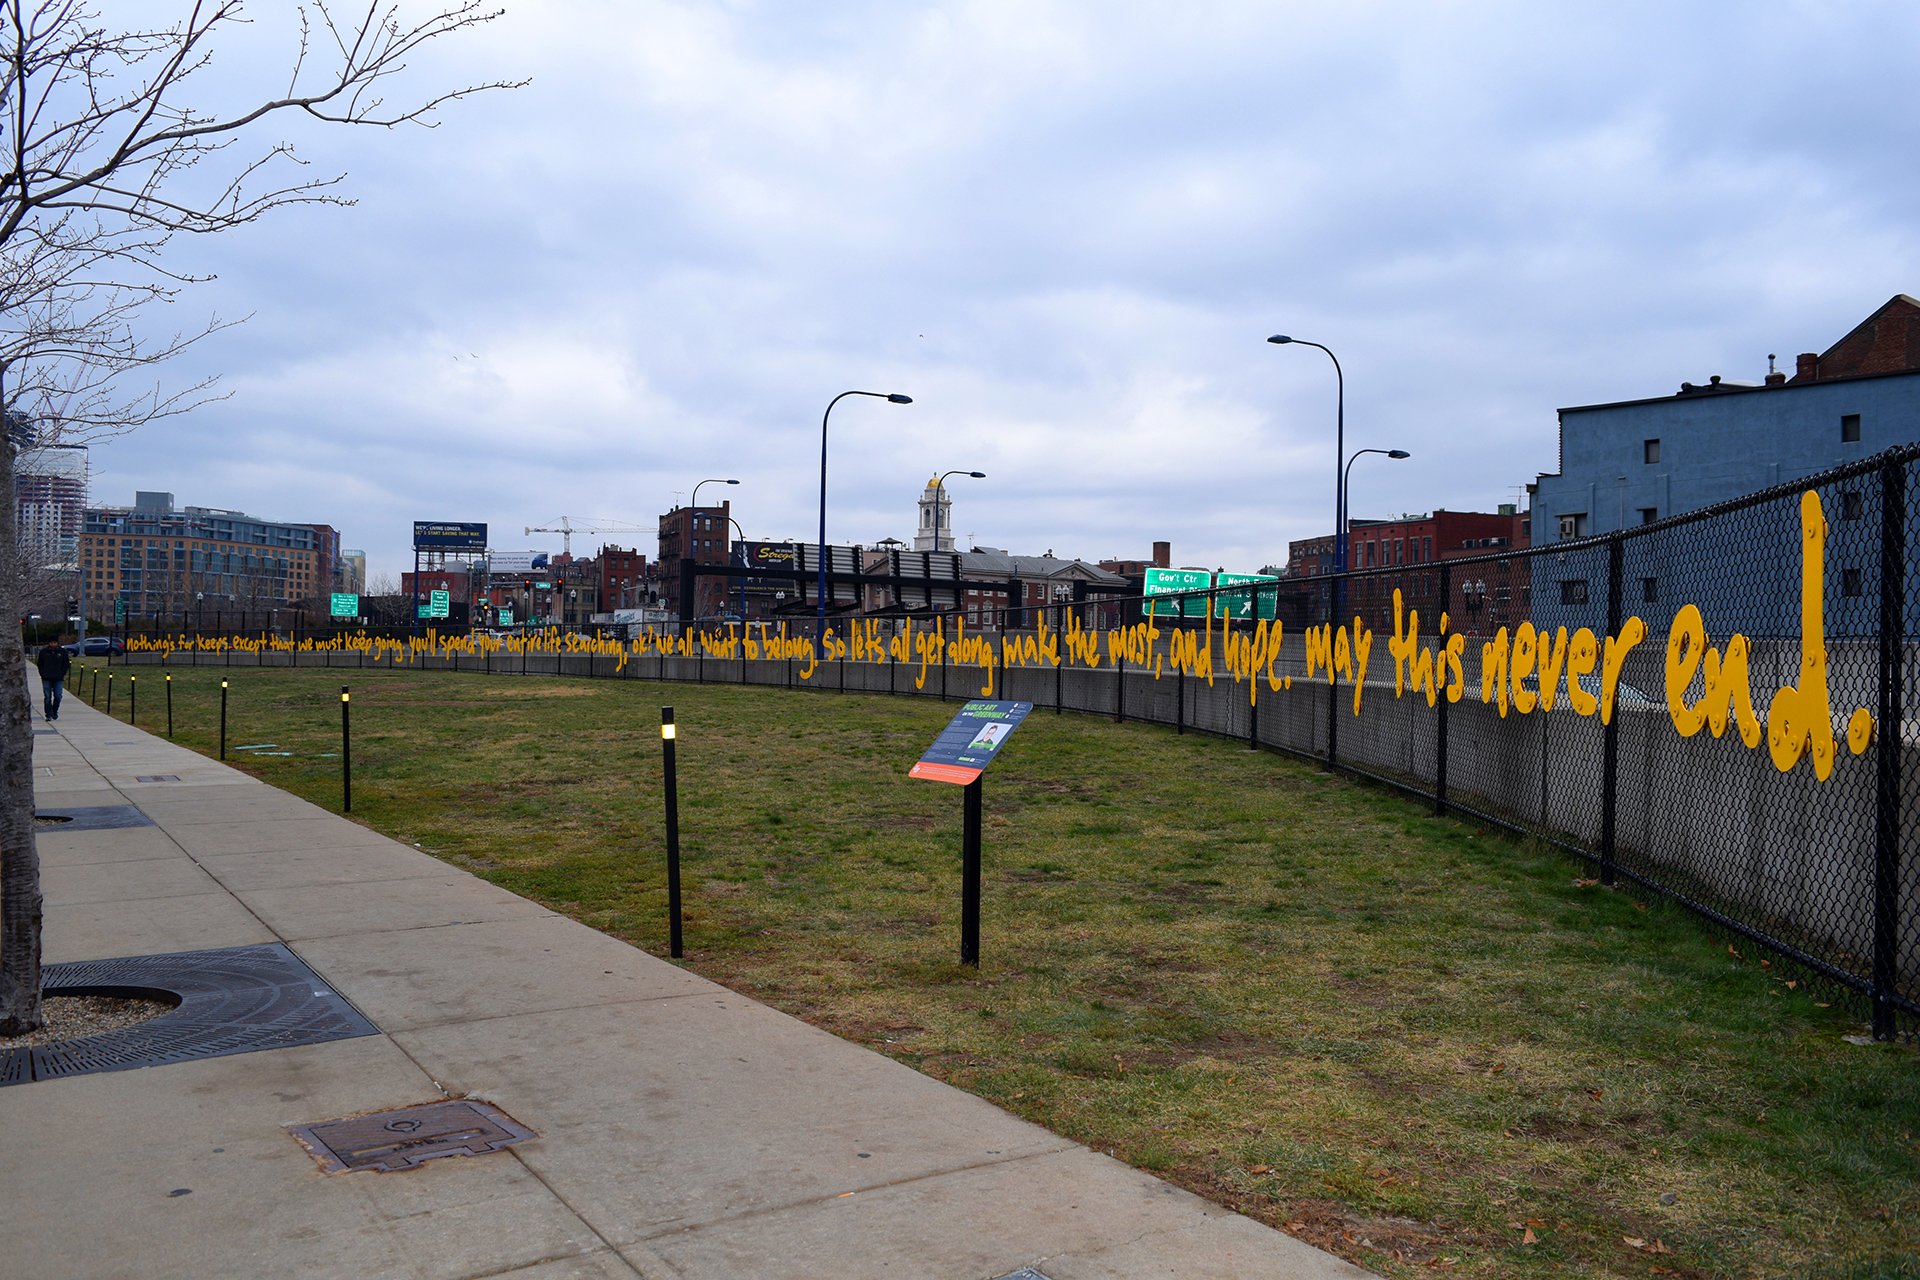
1886, 860
1440, 707
1120, 689
1610, 735
1060, 667
1335, 590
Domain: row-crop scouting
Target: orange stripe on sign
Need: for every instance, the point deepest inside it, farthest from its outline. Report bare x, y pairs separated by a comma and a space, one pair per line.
955, 773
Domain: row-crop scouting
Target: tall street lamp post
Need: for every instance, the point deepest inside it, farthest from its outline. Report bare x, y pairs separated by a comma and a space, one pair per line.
820, 631
939, 491
1339, 522
940, 487
693, 507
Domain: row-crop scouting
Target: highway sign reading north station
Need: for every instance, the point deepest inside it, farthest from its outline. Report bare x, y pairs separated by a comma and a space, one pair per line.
1250, 601
970, 741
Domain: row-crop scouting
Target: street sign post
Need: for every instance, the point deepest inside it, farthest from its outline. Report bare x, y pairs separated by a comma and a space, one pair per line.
960, 755
345, 605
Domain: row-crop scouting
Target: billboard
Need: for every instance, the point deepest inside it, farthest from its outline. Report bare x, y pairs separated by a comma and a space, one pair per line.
770, 555
448, 535
516, 561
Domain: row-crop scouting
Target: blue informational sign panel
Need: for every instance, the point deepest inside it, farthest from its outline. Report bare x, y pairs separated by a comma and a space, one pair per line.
970, 741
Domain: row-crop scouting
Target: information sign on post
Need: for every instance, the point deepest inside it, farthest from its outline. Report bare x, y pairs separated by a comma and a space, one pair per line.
1250, 601
439, 603
345, 605
1166, 582
960, 755
505, 616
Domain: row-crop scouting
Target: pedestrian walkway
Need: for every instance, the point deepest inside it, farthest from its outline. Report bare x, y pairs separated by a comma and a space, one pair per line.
681, 1130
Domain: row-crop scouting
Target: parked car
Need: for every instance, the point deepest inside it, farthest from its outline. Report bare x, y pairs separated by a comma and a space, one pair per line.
96, 647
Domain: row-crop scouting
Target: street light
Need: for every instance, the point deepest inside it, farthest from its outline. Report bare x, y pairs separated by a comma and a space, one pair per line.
1347, 475
940, 487
695, 506
820, 632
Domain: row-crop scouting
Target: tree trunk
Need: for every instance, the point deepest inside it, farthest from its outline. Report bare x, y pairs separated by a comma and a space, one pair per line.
20, 903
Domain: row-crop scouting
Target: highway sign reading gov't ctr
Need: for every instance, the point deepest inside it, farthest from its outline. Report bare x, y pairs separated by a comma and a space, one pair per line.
1165, 582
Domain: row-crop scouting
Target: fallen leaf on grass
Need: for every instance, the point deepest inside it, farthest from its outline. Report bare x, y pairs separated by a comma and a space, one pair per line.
1529, 1238
1585, 884
1594, 1094
1259, 1168
1496, 1068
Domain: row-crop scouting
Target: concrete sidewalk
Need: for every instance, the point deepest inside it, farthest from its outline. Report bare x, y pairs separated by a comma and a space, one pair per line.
683, 1130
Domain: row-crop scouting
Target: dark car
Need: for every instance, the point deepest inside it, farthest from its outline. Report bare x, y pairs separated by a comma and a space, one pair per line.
96, 647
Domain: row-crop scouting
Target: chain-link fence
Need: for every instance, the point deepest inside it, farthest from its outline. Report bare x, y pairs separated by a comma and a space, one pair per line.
1710, 707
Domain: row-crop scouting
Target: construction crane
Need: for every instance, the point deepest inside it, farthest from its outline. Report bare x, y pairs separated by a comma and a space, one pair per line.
566, 529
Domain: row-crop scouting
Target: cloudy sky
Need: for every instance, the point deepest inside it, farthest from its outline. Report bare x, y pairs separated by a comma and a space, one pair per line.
1065, 228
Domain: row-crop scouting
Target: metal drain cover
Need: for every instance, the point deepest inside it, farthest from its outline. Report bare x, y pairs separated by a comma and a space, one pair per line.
157, 777
391, 1141
230, 1000
100, 817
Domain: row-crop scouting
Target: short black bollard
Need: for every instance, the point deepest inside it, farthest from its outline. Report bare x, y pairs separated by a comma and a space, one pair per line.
223, 719
673, 833
346, 755
133, 701
169, 704
109, 693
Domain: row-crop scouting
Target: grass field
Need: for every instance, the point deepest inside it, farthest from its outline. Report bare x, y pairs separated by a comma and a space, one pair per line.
1419, 1044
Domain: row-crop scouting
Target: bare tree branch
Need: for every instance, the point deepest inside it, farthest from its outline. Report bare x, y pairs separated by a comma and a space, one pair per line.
106, 159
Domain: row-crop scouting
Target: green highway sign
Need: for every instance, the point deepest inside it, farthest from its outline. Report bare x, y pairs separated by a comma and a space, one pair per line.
120, 610
1162, 582
345, 605
438, 603
504, 617
1241, 603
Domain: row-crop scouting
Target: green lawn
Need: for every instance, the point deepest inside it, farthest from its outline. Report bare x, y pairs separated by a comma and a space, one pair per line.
1417, 1043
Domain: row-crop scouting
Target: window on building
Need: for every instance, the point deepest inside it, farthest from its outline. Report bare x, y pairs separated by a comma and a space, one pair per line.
1849, 428
1503, 593
1426, 547
1649, 514
1650, 451
1850, 582
1849, 504
1649, 590
1573, 591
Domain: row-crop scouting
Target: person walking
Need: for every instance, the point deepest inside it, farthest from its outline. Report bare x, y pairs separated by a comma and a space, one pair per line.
54, 663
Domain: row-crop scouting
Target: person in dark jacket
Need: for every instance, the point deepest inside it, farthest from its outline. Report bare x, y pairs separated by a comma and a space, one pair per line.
54, 663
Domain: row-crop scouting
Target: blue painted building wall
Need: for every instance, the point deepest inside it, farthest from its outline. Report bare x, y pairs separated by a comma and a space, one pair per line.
1715, 446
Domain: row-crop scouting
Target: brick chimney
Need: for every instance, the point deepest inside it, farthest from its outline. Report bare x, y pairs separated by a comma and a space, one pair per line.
1162, 554
1806, 367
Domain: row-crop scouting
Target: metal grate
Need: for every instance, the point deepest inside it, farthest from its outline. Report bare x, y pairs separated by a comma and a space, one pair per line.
393, 1141
231, 1000
106, 817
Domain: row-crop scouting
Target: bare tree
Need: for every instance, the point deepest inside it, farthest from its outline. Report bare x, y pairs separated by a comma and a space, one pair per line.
106, 161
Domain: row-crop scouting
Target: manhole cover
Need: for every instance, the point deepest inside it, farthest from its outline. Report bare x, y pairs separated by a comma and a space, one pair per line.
157, 777
391, 1141
1024, 1273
